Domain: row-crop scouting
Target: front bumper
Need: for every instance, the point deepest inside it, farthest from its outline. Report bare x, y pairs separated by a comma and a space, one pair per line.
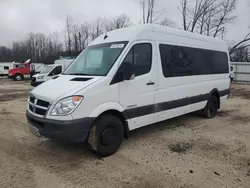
70, 131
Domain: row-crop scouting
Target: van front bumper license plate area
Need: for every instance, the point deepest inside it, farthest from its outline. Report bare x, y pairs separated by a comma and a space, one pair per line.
34, 130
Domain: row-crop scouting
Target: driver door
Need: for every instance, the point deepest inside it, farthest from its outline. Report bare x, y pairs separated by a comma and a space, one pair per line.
137, 95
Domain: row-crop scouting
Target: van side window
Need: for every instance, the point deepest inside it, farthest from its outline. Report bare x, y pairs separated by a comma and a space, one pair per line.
175, 61
140, 55
6, 68
185, 61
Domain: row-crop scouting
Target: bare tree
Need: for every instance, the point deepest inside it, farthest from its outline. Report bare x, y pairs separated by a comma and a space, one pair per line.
68, 33
184, 12
19, 51
75, 39
241, 54
84, 34
5, 54
167, 22
245, 43
101, 25
118, 22
97, 29
149, 12
37, 47
121, 21
241, 50
54, 48
208, 17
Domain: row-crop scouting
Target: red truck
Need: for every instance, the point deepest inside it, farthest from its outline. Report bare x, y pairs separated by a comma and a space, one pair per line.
22, 70
19, 71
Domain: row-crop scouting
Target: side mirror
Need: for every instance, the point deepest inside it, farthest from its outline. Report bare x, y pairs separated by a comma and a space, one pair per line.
127, 71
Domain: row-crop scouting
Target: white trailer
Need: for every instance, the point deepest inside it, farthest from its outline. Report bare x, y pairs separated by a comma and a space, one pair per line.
4, 68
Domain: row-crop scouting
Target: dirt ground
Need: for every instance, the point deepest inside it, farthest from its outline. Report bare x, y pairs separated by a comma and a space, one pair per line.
186, 152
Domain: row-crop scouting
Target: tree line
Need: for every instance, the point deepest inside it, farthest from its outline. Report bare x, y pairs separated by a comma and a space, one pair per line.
206, 17
43, 48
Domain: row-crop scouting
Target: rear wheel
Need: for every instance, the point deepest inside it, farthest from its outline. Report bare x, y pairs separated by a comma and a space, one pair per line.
211, 109
106, 135
18, 77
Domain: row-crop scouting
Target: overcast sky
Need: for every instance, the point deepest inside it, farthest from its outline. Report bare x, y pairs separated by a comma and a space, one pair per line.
19, 17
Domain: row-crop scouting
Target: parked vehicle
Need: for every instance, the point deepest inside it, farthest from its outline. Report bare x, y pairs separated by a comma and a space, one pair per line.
232, 74
4, 68
22, 70
127, 79
50, 71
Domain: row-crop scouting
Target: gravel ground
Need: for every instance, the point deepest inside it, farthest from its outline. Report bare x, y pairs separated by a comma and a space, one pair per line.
184, 152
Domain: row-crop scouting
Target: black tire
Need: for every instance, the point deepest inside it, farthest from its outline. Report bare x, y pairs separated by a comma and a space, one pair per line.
18, 77
106, 135
211, 109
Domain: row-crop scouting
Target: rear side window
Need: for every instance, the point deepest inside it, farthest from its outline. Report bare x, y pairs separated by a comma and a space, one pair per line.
140, 55
6, 68
184, 61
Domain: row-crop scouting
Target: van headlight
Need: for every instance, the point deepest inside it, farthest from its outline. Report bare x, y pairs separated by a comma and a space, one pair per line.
66, 106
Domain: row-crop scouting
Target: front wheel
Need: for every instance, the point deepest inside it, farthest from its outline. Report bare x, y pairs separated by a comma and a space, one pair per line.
18, 77
211, 109
106, 135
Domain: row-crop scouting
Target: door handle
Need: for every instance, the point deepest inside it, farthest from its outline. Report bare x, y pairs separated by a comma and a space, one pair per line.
150, 83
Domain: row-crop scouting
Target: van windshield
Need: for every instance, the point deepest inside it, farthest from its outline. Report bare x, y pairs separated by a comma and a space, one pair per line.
46, 69
96, 60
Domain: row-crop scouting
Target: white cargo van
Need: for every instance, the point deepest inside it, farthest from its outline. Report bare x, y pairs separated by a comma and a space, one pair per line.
50, 72
127, 79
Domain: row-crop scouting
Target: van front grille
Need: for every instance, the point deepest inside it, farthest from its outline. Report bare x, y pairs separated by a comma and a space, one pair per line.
38, 107
42, 103
32, 99
31, 107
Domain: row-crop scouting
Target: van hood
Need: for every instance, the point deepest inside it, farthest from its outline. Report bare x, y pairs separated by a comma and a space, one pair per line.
63, 86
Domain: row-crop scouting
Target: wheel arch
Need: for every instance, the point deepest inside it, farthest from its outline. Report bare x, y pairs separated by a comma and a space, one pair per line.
18, 73
114, 109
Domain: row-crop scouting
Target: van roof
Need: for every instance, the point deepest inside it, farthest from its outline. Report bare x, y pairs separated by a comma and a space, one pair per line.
162, 34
